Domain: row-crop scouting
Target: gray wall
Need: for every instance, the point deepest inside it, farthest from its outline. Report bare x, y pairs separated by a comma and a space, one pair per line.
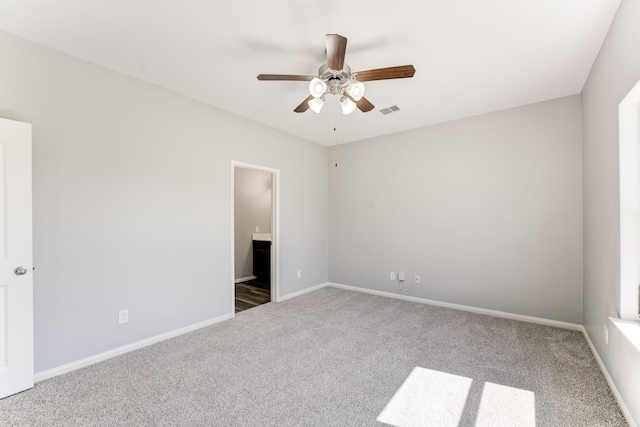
487, 210
132, 202
252, 207
615, 72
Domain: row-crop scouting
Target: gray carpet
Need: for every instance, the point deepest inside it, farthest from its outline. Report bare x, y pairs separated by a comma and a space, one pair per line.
336, 358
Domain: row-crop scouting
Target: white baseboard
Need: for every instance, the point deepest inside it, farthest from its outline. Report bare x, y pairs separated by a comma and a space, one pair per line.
245, 279
513, 316
612, 386
302, 292
66, 368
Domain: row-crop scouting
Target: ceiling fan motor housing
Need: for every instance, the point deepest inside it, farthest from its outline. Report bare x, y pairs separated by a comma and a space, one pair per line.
336, 80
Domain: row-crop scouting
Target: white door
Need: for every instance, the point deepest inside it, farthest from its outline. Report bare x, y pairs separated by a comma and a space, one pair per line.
16, 275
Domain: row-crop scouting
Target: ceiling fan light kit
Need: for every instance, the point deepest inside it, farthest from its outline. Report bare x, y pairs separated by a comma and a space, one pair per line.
356, 90
317, 87
316, 104
335, 78
347, 105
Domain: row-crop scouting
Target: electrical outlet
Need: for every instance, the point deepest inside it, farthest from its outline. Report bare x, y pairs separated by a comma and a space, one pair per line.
299, 274
606, 335
417, 279
123, 316
257, 229
392, 275
401, 277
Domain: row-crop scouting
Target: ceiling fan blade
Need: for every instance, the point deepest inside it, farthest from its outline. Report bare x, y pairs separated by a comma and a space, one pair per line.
291, 77
401, 72
363, 104
336, 49
304, 105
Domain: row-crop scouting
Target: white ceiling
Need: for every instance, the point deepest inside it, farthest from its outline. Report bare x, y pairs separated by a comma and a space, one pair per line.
471, 56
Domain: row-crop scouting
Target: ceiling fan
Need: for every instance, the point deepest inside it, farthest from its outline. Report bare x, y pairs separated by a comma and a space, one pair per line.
335, 77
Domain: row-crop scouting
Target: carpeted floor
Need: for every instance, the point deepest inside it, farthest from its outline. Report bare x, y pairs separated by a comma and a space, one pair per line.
336, 358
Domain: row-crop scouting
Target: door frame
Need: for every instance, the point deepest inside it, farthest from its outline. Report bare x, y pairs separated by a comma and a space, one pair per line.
275, 228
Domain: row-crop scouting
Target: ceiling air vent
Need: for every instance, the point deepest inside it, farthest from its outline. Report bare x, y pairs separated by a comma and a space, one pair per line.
390, 110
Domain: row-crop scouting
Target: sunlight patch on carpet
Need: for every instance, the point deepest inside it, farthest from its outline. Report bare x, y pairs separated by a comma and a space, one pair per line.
506, 406
427, 398
435, 398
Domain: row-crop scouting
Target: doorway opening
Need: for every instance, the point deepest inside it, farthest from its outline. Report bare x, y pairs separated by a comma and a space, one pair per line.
254, 239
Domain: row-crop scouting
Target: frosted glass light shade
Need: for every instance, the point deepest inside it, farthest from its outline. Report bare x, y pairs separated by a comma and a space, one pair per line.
356, 90
347, 106
316, 104
317, 87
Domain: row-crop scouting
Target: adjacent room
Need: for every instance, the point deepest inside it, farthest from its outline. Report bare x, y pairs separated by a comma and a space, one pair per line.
302, 213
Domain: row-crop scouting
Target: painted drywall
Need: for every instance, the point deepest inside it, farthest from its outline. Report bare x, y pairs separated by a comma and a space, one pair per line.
252, 208
487, 210
614, 73
132, 202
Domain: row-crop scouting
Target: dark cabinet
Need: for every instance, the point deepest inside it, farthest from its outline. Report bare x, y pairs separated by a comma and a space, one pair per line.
262, 261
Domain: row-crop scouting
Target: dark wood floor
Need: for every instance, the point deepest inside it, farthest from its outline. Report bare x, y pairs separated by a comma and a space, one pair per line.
251, 294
